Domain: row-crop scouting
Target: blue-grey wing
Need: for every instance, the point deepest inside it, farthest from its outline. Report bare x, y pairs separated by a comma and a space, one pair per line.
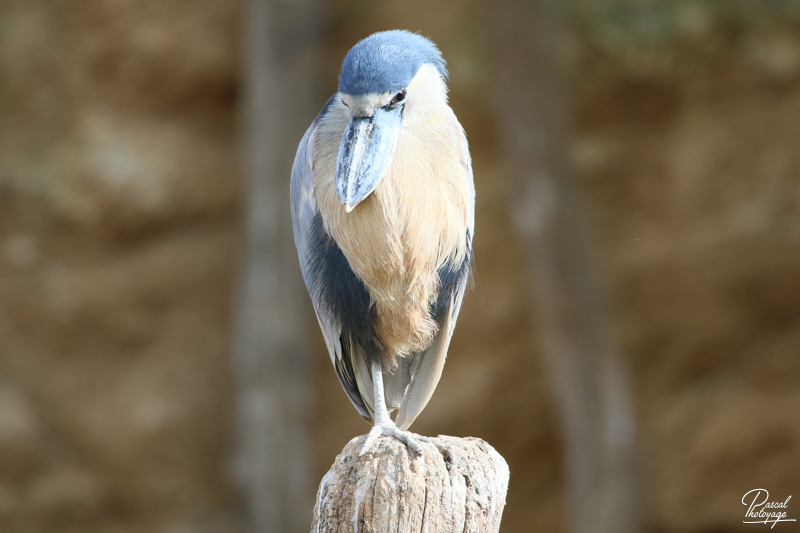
307, 238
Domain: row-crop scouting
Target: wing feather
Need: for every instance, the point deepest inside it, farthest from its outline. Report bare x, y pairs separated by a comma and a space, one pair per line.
305, 215
426, 369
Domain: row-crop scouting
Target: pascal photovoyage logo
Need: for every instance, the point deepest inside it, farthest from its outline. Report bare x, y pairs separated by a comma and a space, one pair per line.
761, 510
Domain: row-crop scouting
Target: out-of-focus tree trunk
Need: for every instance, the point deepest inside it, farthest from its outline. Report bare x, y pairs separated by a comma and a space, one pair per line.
273, 391
589, 381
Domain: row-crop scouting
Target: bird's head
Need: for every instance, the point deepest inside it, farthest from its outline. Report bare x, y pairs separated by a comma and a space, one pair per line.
382, 77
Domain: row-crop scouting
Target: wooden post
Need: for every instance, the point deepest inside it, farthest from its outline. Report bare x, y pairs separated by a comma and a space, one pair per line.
458, 484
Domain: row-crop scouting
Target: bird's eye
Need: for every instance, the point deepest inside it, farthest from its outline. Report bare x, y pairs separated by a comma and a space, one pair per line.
399, 97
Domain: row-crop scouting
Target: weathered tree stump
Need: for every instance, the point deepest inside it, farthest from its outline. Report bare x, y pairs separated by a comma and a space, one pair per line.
456, 485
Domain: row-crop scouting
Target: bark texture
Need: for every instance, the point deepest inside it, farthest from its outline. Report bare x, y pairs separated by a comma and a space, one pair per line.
458, 484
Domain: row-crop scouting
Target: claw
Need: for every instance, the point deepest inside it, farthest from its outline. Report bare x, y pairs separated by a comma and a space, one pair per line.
384, 425
392, 431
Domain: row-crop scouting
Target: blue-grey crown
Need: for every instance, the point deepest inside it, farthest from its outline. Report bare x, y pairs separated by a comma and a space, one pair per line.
386, 62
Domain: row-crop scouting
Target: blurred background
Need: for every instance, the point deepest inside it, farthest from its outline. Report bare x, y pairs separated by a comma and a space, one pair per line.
152, 314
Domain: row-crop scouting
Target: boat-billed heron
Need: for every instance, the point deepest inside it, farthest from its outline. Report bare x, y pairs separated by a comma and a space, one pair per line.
383, 216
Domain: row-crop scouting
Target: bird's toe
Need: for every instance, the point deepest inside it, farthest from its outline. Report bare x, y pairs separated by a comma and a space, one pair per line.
405, 437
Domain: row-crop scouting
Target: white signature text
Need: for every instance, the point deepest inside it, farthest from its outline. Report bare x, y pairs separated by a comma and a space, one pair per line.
762, 511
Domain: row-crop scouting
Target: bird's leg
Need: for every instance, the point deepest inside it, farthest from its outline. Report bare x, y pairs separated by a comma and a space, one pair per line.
384, 425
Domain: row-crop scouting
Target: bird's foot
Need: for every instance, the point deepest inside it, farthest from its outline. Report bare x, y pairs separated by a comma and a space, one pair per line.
393, 431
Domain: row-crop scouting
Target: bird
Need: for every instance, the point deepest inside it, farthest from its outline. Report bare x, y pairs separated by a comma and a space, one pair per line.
383, 214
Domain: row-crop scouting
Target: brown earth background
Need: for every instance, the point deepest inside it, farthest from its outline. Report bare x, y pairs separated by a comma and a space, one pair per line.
120, 232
